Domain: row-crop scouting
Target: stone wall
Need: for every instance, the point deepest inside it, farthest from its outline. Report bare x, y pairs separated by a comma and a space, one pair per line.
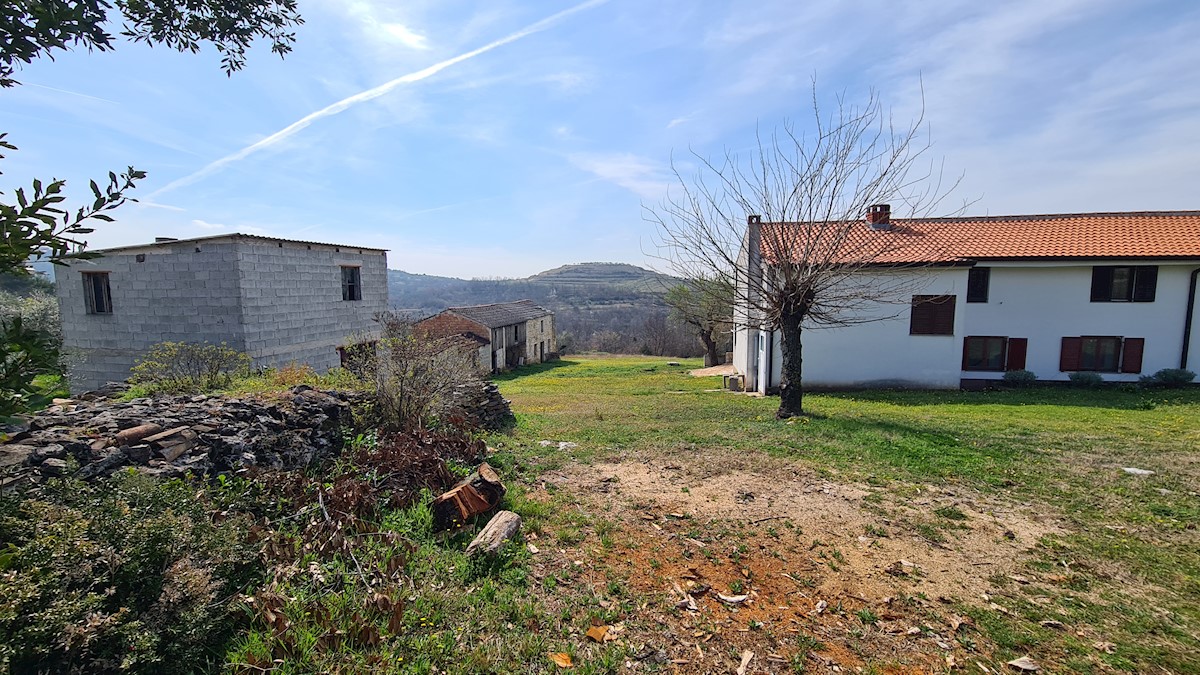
538, 331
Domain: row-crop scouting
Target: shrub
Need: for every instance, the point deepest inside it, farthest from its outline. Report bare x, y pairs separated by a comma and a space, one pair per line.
184, 367
1168, 377
128, 574
1086, 379
1019, 378
414, 376
25, 353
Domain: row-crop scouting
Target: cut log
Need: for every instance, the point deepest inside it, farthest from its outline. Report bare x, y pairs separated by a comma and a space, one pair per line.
135, 434
503, 526
163, 436
478, 493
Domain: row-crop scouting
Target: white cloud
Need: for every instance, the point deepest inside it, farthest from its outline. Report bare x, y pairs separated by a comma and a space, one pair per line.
205, 225
405, 35
644, 177
370, 94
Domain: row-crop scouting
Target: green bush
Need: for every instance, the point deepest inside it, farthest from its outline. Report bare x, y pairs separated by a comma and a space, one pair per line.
1168, 377
186, 368
25, 354
129, 574
1086, 379
1019, 378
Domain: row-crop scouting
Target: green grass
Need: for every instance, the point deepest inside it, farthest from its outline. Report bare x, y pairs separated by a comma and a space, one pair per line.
1131, 551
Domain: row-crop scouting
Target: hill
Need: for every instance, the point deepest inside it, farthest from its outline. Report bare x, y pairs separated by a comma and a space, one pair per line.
602, 306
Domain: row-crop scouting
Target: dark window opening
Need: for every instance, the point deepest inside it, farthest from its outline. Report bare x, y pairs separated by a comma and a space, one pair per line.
978, 279
96, 293
932, 315
984, 353
1117, 283
351, 283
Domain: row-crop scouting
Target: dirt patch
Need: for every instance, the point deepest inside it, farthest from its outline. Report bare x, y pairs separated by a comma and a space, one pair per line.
832, 574
724, 369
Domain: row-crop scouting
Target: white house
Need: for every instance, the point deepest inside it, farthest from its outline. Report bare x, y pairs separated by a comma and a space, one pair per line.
1112, 293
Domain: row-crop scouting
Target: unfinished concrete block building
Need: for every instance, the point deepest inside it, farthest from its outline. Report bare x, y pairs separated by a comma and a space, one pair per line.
278, 300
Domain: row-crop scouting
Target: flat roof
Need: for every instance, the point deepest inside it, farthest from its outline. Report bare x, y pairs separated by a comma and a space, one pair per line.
233, 236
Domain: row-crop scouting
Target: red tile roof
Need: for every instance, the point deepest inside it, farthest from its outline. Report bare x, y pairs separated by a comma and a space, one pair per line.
1161, 234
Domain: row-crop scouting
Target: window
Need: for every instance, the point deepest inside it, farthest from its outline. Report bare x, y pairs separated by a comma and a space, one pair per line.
932, 315
1114, 283
977, 284
1102, 354
96, 293
992, 353
351, 283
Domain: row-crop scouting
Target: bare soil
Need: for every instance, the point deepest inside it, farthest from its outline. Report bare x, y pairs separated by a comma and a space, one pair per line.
836, 576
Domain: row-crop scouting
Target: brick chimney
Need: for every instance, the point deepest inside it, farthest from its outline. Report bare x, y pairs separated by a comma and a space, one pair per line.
879, 216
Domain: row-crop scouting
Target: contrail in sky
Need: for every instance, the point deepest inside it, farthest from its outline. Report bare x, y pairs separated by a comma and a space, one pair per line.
367, 95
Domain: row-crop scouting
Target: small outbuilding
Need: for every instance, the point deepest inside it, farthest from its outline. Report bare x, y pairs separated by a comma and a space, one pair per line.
509, 334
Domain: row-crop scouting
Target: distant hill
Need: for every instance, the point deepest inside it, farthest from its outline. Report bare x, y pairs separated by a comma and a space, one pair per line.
622, 275
583, 284
597, 305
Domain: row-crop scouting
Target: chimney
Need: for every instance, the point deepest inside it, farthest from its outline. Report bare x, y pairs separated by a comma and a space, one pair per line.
753, 220
879, 217
163, 240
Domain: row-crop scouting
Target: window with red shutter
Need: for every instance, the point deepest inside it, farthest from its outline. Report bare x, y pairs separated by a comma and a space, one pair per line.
1068, 357
984, 353
1131, 355
1017, 348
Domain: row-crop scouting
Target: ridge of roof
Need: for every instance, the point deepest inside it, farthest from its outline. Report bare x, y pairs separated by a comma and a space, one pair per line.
499, 314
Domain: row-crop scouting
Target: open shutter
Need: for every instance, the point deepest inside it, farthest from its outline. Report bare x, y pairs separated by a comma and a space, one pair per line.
1102, 279
1145, 282
1016, 353
1072, 352
1131, 355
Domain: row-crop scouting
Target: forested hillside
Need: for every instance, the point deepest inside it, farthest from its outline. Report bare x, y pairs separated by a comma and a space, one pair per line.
611, 307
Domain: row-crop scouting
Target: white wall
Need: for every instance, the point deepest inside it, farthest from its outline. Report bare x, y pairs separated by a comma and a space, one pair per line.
1042, 302
882, 353
1046, 302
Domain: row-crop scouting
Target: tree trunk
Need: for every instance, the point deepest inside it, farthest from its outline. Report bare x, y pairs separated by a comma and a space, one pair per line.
710, 348
791, 390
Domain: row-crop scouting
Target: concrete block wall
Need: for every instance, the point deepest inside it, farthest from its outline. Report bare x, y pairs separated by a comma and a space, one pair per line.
178, 292
278, 301
292, 306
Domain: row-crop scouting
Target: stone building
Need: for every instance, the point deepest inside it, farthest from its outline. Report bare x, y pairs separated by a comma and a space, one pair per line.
510, 334
278, 300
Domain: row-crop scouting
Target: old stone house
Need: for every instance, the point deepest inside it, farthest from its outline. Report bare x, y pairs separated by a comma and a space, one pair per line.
509, 334
278, 300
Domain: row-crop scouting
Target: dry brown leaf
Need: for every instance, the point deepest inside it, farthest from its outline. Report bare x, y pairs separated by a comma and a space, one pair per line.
747, 656
1025, 664
1106, 647
561, 659
597, 633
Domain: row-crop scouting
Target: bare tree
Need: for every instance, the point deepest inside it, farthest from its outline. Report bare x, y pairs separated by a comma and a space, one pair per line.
414, 376
705, 304
789, 219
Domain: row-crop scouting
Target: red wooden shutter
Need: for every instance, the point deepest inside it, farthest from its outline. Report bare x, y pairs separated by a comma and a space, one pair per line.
1131, 355
1016, 353
1072, 351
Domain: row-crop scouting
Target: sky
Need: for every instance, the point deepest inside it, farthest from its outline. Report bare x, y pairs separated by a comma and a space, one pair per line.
501, 138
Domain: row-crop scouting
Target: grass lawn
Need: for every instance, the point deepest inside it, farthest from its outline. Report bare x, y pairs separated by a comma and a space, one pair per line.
1110, 582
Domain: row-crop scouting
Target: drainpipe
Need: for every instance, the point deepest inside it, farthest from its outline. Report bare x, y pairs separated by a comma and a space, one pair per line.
1187, 322
770, 365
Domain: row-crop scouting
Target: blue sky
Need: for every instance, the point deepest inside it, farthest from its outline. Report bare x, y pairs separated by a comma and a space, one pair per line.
517, 136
